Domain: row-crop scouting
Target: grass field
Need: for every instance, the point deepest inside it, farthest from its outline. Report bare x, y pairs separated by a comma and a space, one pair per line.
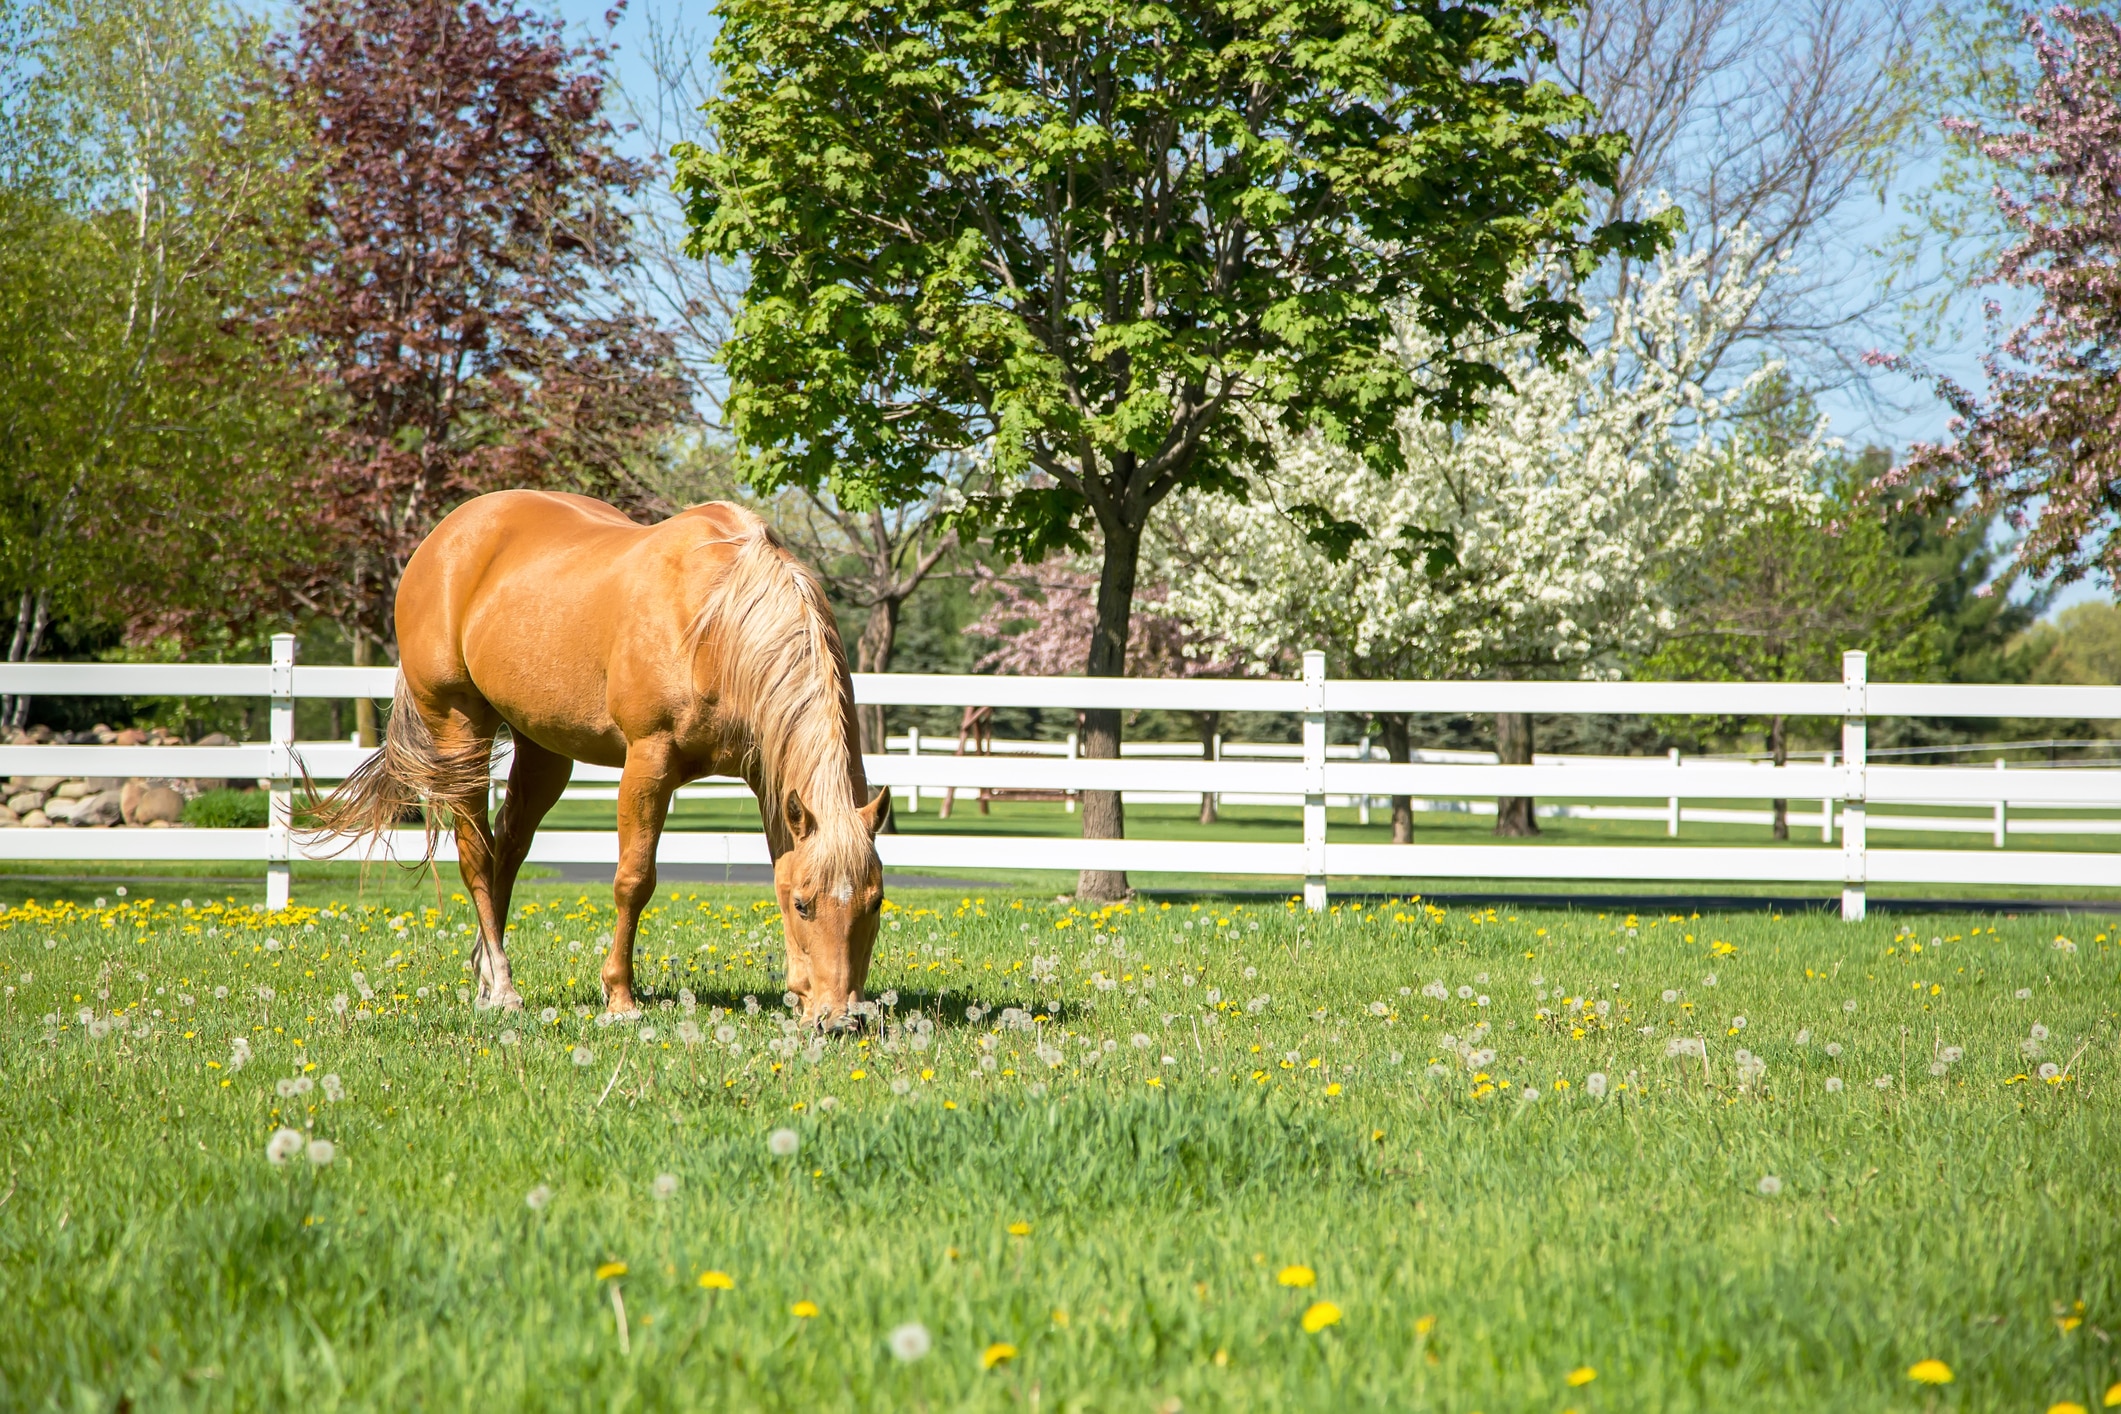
1206, 1124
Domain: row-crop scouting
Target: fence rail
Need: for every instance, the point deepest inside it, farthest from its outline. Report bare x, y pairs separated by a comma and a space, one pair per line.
1309, 773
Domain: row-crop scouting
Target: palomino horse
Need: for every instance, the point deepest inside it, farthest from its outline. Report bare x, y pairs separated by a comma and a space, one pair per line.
696, 647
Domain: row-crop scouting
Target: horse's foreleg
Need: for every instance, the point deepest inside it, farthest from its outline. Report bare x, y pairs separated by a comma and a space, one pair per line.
534, 783
644, 799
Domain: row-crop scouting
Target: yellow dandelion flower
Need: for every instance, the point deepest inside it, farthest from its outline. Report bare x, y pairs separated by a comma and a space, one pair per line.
2066, 1406
1320, 1315
1580, 1376
2069, 1323
803, 1310
1019, 1229
610, 1270
2113, 1396
1334, 1088
999, 1353
1424, 1324
1930, 1372
717, 1281
1296, 1276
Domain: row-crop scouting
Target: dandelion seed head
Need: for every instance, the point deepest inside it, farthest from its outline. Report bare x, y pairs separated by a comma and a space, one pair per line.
783, 1143
665, 1186
1769, 1185
910, 1341
1833, 1085
583, 1056
284, 1145
322, 1152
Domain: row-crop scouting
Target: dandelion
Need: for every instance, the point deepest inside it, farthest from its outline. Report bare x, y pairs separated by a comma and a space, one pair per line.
2038, 1032
1579, 1377
665, 1186
322, 1152
549, 1015
1709, 981
2066, 1406
1930, 1372
2025, 994
803, 1310
1594, 1085
1465, 994
783, 1143
1833, 1050
583, 1056
537, 1198
1001, 1352
910, 1342
1318, 1315
334, 1088
1883, 1082
1804, 1038
284, 1145
725, 1033
717, 1281
1738, 1023
1139, 1041
611, 1271
1019, 1229
1769, 1185
1670, 996
1849, 1006
2049, 1070
2113, 1396
1296, 1275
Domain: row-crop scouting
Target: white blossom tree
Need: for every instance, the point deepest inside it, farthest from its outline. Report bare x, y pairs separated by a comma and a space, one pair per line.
1539, 542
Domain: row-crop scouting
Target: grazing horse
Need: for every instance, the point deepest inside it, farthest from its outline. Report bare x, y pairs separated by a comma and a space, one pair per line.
695, 647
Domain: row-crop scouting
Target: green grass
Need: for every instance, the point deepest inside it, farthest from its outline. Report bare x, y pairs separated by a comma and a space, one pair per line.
152, 1258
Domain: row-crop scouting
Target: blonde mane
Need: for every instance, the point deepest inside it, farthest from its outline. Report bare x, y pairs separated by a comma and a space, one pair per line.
767, 644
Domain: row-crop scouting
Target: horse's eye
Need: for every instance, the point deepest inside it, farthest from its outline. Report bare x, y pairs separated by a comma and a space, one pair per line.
803, 906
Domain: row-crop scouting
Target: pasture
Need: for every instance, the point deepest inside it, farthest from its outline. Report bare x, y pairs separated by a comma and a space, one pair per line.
1159, 1157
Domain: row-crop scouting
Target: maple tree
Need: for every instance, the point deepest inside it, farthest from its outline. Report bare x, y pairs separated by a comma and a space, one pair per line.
458, 296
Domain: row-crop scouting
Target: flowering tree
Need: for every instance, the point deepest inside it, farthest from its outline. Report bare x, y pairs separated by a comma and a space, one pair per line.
2044, 445
1535, 543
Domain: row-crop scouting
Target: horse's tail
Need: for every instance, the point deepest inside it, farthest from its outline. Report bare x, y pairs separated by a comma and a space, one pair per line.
388, 788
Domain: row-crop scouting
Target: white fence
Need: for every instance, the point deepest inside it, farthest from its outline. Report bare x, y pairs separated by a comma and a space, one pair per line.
1313, 775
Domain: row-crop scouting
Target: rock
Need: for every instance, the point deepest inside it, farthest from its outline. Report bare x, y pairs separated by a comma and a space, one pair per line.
26, 801
99, 784
129, 798
75, 790
60, 811
8, 817
158, 805
46, 784
103, 808
215, 739
37, 820
131, 736
161, 824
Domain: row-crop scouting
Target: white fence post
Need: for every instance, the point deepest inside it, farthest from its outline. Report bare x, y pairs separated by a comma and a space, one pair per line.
1855, 748
913, 748
1362, 802
279, 829
1314, 780
2002, 824
1671, 805
1075, 745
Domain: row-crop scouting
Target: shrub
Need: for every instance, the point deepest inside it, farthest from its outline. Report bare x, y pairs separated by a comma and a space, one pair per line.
228, 809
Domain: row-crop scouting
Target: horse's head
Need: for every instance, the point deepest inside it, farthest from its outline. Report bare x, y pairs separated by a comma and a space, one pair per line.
831, 888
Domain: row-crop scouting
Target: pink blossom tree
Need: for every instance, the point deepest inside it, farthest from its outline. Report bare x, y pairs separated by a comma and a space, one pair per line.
2043, 445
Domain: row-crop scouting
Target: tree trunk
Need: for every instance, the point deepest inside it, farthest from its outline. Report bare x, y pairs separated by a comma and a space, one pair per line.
1779, 743
1399, 747
31, 619
364, 708
872, 654
1207, 724
1514, 816
1103, 816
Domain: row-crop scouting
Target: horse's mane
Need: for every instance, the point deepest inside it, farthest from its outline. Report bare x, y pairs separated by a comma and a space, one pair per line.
766, 639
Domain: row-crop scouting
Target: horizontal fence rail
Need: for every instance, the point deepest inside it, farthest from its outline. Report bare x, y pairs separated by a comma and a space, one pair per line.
1308, 774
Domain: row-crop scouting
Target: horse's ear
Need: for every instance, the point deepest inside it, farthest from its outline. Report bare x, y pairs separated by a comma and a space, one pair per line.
877, 811
800, 821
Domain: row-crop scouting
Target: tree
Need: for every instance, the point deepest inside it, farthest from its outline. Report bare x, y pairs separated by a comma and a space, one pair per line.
135, 420
1116, 243
1779, 596
458, 297
2041, 445
1540, 542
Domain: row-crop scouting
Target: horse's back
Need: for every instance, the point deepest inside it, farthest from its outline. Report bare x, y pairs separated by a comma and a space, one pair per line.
532, 600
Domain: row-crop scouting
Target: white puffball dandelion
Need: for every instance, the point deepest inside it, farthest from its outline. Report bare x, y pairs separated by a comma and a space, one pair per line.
665, 1186
1594, 1085
322, 1152
537, 1198
910, 1342
582, 1056
2024, 994
1833, 1050
1833, 1085
284, 1145
783, 1143
334, 1089
2049, 1070
1849, 1006
549, 1015
1769, 1185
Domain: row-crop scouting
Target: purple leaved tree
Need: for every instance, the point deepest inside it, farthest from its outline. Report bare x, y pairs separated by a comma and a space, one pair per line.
2043, 445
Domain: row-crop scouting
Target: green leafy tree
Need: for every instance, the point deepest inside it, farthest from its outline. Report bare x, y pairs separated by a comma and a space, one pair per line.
1787, 593
1114, 246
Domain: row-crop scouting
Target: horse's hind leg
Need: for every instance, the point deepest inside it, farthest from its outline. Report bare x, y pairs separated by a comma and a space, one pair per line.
534, 783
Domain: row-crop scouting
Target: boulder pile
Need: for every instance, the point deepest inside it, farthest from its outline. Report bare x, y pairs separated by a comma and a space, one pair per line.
105, 802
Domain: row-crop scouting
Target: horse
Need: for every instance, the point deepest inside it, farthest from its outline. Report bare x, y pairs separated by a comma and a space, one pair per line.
696, 646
